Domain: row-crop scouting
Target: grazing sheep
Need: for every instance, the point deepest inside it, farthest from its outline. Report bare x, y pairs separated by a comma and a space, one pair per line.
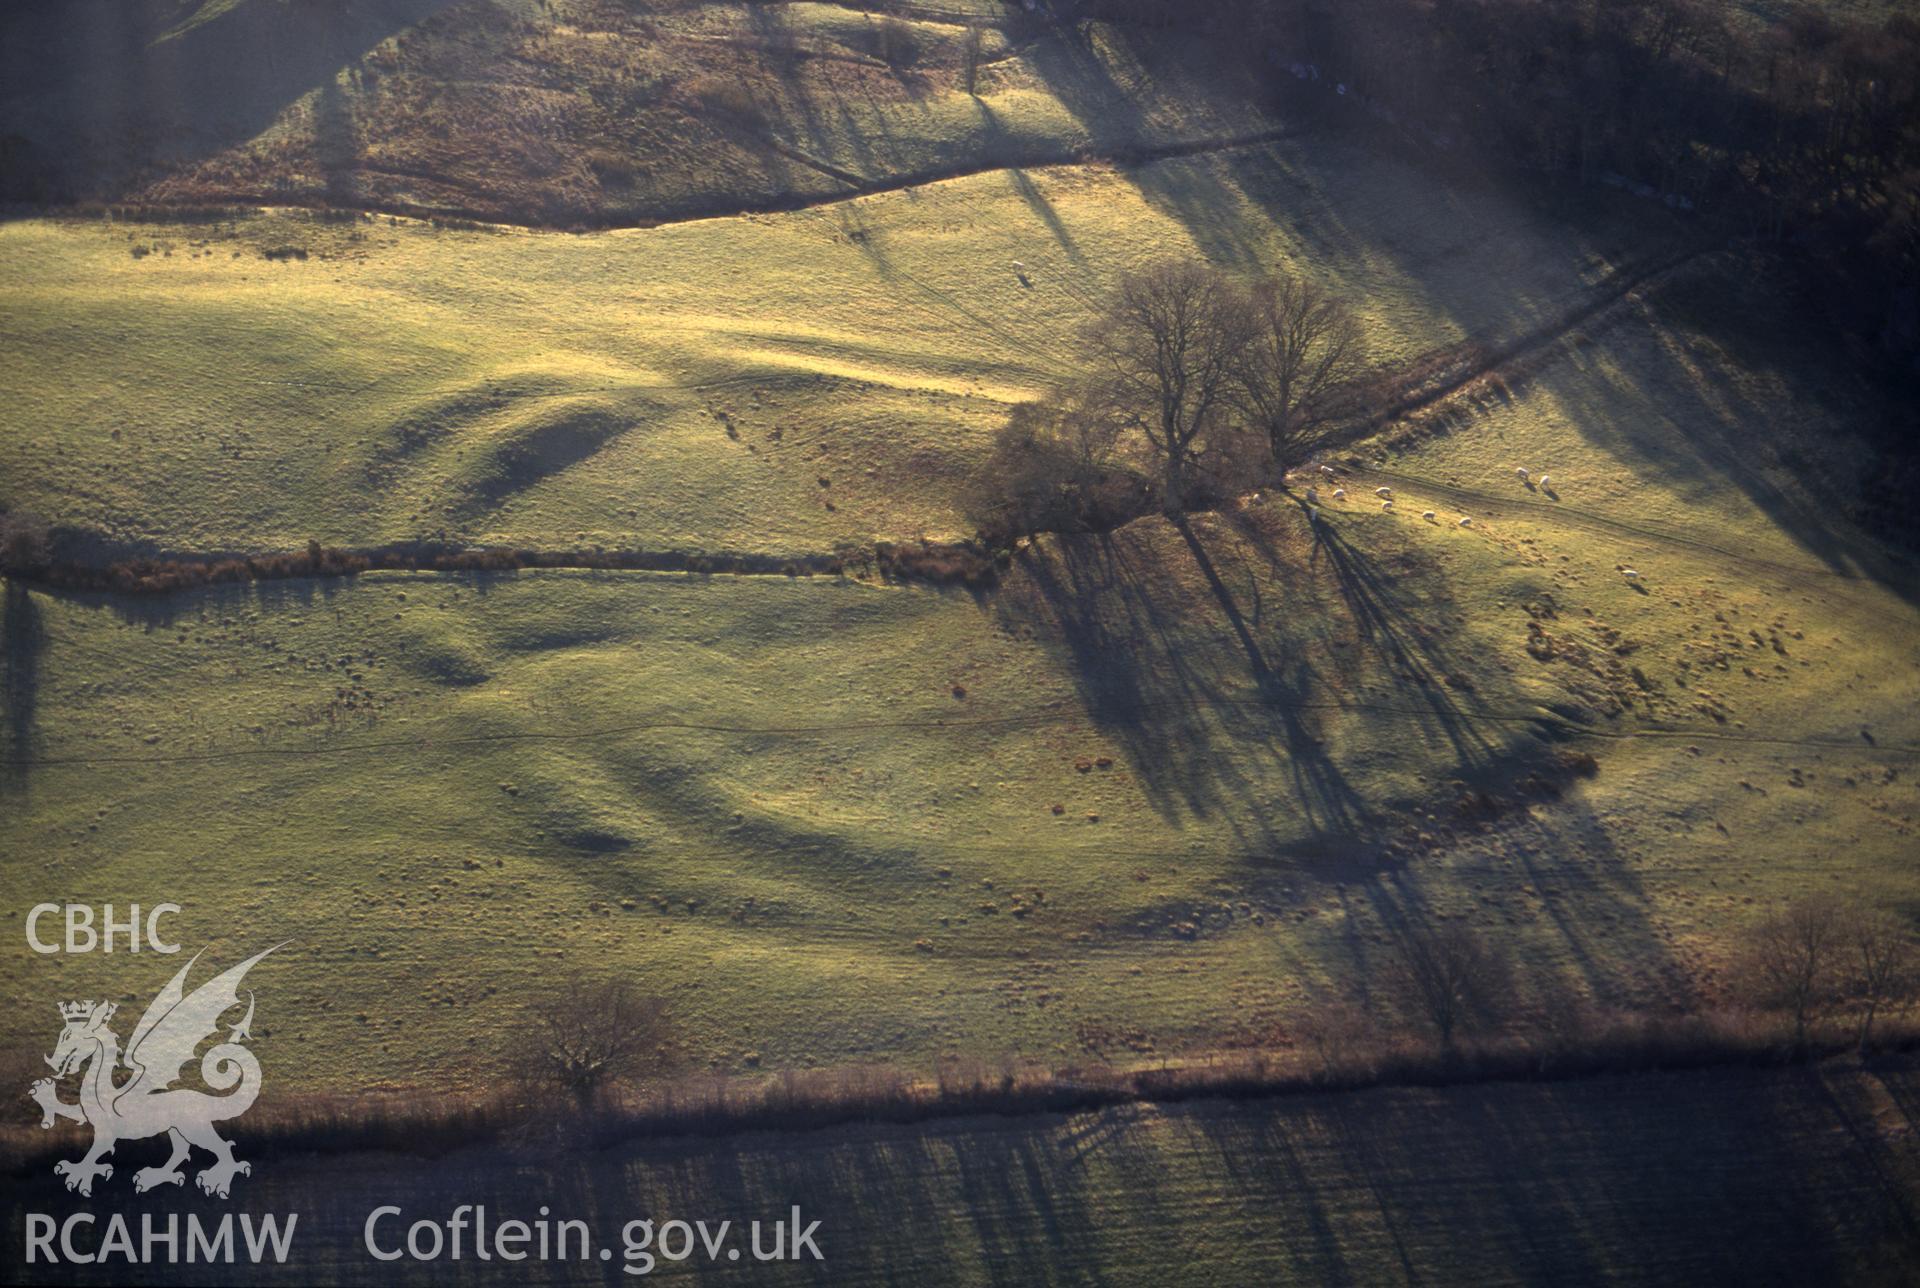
1546, 482
1521, 474
1427, 514
1327, 470
1018, 267
1387, 506
1383, 491
1339, 494
1465, 522
1631, 574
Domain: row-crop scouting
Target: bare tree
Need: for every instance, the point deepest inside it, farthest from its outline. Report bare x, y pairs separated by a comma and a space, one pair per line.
1341, 1036
1794, 959
1306, 351
1447, 974
1882, 966
585, 1036
1164, 356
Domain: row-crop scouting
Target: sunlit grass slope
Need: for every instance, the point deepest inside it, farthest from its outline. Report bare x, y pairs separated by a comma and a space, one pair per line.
780, 383
1149, 792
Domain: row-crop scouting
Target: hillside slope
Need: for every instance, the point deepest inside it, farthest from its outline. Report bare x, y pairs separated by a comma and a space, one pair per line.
580, 111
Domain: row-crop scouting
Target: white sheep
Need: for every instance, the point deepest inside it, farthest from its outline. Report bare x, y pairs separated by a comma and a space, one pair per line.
1631, 574
1383, 491
1546, 481
1019, 267
1327, 470
1521, 474
1465, 522
1387, 507
1427, 515
1339, 494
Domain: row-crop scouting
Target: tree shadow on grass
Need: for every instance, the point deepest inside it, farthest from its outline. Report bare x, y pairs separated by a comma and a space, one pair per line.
1205, 719
1222, 696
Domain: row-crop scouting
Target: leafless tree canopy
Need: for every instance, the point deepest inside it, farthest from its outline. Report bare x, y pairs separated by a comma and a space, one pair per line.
1163, 359
1447, 975
1211, 381
1794, 959
1304, 354
1882, 961
1820, 953
585, 1036
1055, 467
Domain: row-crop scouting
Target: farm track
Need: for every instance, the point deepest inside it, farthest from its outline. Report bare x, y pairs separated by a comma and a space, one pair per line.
857, 186
1483, 359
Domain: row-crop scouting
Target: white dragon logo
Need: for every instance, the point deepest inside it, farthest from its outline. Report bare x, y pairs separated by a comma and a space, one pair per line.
147, 1104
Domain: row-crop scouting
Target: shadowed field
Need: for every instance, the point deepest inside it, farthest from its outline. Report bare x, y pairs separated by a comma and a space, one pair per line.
1732, 1176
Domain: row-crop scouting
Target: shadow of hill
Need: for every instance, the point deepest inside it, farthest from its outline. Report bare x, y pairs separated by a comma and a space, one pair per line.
98, 92
1723, 385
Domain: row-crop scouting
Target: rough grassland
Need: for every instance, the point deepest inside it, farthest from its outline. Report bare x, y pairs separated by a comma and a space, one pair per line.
1733, 1176
680, 387
819, 814
579, 111
836, 821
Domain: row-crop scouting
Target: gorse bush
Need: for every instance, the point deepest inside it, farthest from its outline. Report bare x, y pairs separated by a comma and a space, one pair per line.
895, 42
723, 96
1053, 468
26, 545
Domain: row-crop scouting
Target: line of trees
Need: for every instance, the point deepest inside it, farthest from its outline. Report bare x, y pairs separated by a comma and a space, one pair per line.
1821, 954
1809, 972
1190, 382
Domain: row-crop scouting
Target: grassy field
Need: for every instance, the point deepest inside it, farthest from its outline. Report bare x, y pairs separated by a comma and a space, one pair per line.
689, 386
820, 814
1155, 791
1730, 1176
